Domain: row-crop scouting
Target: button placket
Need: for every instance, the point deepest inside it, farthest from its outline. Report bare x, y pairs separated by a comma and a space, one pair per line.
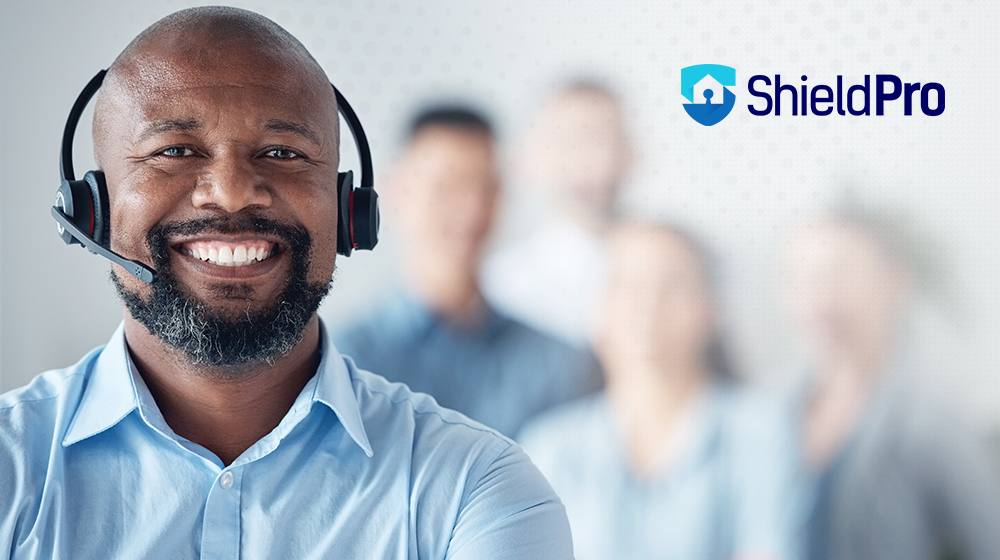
221, 525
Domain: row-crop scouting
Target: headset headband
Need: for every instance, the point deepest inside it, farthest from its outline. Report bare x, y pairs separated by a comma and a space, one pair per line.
343, 107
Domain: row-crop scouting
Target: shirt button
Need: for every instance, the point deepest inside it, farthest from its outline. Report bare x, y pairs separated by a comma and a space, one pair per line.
226, 481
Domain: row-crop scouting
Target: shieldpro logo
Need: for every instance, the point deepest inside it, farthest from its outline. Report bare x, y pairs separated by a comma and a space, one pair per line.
704, 85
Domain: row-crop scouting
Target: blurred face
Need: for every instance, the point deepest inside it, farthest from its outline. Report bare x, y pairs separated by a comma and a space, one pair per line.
842, 291
658, 308
581, 147
221, 172
444, 196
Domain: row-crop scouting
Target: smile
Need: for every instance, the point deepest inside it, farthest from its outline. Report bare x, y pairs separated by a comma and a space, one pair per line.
233, 254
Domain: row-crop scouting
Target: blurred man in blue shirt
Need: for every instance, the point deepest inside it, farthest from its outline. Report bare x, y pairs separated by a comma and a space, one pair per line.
220, 421
436, 333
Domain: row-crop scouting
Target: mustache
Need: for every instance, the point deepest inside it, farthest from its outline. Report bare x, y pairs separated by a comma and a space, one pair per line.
294, 236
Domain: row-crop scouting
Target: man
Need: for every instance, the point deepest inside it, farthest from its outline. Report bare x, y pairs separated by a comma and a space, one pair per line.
219, 421
436, 333
579, 153
895, 473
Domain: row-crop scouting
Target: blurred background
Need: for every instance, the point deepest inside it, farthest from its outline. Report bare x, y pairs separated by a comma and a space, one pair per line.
743, 183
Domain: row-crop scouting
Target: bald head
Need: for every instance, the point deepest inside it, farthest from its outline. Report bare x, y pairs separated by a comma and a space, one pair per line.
208, 41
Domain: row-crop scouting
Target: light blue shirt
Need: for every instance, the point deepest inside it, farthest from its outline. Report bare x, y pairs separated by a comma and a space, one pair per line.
358, 468
732, 493
497, 371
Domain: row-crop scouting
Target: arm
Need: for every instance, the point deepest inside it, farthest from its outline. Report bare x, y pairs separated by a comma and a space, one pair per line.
512, 512
768, 487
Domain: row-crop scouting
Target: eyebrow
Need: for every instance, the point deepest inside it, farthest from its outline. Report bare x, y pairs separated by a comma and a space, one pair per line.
277, 125
169, 125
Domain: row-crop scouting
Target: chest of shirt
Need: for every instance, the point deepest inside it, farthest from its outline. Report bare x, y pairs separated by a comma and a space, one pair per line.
127, 494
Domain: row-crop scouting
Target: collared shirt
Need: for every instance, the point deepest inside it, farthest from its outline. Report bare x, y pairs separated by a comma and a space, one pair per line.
358, 468
731, 494
551, 280
497, 371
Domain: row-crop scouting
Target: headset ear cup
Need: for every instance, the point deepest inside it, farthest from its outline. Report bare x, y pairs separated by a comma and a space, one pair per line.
366, 218
345, 184
101, 207
74, 200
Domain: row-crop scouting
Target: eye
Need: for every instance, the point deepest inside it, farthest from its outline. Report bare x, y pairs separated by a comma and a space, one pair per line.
176, 152
282, 153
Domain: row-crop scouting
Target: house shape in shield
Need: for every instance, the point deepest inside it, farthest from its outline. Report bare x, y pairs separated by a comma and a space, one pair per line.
708, 83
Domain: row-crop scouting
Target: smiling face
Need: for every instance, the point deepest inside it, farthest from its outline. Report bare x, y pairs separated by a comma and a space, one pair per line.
658, 310
221, 157
444, 197
581, 147
844, 293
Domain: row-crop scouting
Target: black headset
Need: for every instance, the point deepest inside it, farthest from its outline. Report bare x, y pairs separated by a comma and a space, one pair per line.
83, 214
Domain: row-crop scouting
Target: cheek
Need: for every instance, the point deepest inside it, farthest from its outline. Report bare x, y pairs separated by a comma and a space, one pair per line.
134, 211
321, 222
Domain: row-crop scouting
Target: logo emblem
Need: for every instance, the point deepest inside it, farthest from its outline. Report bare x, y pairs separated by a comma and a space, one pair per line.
704, 86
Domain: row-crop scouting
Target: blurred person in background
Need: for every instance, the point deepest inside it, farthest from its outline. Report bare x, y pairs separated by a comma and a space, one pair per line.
578, 154
436, 333
895, 475
675, 459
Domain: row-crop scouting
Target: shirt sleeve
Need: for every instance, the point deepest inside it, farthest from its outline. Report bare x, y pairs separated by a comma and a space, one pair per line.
769, 489
512, 512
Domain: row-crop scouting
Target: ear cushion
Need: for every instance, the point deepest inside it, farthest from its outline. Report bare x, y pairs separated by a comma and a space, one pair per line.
365, 226
101, 207
345, 185
74, 200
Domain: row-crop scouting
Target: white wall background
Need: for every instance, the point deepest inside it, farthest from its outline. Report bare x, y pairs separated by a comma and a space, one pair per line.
742, 182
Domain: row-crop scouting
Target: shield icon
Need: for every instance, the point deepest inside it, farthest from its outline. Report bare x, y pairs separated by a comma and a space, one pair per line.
704, 86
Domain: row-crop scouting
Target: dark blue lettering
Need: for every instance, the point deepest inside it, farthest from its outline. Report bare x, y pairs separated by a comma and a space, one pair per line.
827, 99
761, 94
850, 98
778, 88
880, 94
925, 99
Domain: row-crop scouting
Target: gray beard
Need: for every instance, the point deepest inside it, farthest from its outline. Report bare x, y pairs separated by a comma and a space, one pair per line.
209, 338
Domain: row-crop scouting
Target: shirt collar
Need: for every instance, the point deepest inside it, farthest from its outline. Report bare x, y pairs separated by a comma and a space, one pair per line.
112, 392
334, 388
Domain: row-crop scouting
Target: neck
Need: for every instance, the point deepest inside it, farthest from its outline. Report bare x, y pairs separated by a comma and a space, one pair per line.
222, 409
452, 292
838, 403
859, 364
649, 403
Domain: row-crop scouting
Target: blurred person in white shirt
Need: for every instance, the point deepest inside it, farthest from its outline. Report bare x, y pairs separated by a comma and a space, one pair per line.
577, 155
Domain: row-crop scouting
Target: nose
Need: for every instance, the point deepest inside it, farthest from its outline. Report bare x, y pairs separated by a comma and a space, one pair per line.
231, 183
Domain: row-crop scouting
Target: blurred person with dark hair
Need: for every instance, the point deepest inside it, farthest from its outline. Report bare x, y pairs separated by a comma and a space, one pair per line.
578, 153
436, 333
675, 459
896, 475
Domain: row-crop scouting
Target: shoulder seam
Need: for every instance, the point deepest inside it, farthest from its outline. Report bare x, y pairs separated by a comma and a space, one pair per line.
485, 430
55, 395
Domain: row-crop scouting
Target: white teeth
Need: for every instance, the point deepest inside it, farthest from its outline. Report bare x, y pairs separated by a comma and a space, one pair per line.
228, 256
